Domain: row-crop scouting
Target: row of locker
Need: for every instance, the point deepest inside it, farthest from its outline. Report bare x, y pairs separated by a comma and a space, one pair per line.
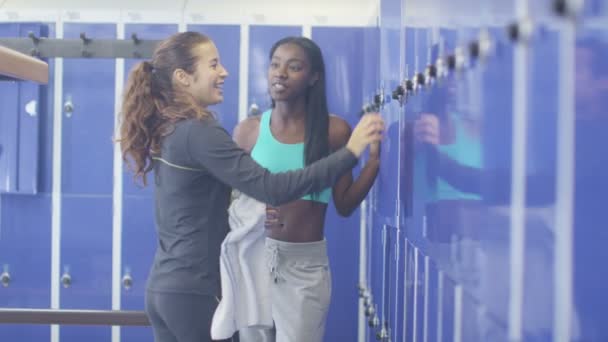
92, 268
491, 206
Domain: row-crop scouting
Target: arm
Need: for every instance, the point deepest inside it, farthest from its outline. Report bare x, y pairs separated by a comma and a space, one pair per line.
210, 147
346, 193
246, 133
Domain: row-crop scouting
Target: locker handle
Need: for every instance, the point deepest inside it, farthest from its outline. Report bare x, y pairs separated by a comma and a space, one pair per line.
66, 280
384, 333
253, 110
127, 281
374, 321
370, 311
68, 107
5, 277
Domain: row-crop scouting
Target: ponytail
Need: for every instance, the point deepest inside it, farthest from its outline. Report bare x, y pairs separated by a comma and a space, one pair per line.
139, 121
151, 106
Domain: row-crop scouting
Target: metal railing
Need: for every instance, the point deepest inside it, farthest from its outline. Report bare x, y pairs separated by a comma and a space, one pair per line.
73, 317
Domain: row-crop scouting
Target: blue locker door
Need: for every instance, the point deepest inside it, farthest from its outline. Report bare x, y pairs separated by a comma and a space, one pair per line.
342, 56
408, 292
227, 39
375, 275
28, 141
29, 110
261, 40
391, 75
138, 232
25, 226
25, 223
9, 95
541, 153
87, 159
589, 232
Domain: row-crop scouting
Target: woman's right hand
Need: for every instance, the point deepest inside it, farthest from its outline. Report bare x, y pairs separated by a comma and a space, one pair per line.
370, 129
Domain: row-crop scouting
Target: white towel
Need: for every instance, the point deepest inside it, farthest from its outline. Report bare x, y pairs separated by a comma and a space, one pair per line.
245, 278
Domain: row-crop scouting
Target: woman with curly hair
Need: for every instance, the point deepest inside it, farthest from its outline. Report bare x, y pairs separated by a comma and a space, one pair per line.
167, 128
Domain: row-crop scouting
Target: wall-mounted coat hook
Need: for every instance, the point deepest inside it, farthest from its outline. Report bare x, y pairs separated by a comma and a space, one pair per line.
33, 37
135, 38
520, 31
398, 92
568, 8
474, 49
85, 39
419, 81
451, 62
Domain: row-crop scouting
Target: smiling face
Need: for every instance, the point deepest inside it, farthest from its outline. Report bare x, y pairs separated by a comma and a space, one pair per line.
289, 74
206, 83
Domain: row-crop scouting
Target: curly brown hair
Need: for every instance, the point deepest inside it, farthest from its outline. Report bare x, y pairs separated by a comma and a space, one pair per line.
152, 105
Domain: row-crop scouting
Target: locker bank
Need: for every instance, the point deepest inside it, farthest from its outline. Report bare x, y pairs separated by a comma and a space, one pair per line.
484, 223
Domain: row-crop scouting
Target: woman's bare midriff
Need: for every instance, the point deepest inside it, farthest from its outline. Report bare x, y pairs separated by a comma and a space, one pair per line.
302, 221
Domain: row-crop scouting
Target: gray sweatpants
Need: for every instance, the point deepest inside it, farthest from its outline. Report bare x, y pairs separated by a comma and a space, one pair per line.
300, 292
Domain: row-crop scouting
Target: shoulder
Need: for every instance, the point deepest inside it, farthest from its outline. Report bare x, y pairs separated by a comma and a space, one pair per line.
339, 131
246, 132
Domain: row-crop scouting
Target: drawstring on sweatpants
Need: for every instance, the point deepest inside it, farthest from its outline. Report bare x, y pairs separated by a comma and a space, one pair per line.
274, 265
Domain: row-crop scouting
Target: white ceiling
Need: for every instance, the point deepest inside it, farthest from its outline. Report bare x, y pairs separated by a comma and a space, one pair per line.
286, 6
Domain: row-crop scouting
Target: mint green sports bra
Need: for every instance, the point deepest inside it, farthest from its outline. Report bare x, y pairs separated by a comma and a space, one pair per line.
278, 157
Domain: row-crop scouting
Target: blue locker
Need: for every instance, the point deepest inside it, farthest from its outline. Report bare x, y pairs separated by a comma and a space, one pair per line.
431, 321
398, 274
261, 40
19, 125
138, 229
342, 56
391, 75
25, 225
227, 38
409, 292
446, 330
541, 159
25, 221
470, 324
86, 213
590, 185
375, 274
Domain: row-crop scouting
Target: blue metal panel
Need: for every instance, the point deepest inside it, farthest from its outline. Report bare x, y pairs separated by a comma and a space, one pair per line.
261, 40
45, 110
87, 132
138, 247
227, 38
342, 56
8, 136
28, 125
28, 141
590, 184
447, 312
9, 95
431, 319
87, 158
396, 299
543, 73
410, 283
138, 232
375, 271
391, 75
25, 226
86, 255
